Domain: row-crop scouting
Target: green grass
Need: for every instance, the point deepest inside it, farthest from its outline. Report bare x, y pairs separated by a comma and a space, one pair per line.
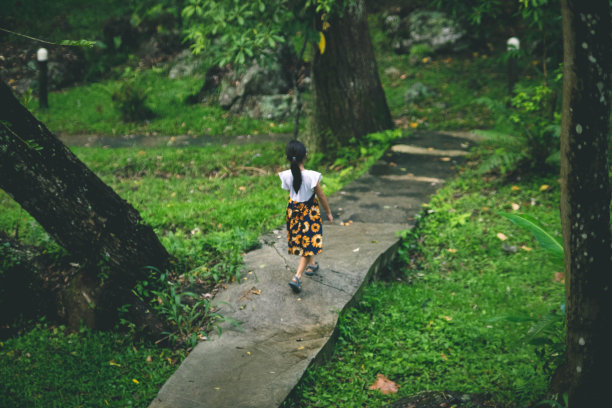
445, 325
208, 205
89, 109
50, 367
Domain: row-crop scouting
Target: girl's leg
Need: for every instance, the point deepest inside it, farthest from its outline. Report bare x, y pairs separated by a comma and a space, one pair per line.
304, 261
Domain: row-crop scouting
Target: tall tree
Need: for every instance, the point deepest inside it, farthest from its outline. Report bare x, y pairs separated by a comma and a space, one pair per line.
585, 201
79, 211
349, 101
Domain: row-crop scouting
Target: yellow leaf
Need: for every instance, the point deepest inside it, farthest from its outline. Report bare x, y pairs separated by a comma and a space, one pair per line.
501, 236
515, 188
544, 187
242, 188
326, 25
135, 381
414, 125
112, 362
321, 43
452, 250
301, 348
525, 248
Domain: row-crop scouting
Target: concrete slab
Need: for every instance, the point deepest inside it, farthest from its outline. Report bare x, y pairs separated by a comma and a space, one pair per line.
281, 333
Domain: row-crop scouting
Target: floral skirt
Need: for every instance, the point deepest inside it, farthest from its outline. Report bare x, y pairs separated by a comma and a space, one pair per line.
304, 227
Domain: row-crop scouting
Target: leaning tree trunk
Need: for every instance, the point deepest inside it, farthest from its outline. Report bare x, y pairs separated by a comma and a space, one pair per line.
79, 211
585, 201
349, 101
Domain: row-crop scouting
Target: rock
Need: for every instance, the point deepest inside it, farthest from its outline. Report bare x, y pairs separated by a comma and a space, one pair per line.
260, 93
435, 29
416, 92
186, 64
392, 72
432, 28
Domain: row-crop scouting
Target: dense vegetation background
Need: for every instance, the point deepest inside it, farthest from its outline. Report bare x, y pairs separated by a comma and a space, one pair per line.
505, 339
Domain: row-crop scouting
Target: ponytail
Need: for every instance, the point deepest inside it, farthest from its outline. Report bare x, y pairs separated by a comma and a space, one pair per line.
296, 153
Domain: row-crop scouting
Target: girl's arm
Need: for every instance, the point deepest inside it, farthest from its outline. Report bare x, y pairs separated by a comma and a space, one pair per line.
319, 192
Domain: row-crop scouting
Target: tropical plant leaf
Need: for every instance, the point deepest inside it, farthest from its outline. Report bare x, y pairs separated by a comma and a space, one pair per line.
549, 242
537, 333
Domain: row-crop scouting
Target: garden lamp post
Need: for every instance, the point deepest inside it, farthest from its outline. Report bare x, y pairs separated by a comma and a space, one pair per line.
512, 46
42, 55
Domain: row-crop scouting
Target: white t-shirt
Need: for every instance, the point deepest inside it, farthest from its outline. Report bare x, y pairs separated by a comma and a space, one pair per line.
310, 179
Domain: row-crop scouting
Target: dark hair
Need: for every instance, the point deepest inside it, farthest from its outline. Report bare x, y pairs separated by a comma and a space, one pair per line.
296, 152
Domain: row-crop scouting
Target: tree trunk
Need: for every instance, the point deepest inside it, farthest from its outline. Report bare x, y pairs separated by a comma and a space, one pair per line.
585, 201
80, 212
349, 101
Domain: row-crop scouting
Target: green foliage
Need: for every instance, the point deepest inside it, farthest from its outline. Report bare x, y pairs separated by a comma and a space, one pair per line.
433, 330
527, 134
188, 315
130, 100
420, 51
546, 240
234, 31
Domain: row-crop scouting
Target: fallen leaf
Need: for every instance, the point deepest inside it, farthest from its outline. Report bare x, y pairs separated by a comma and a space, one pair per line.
112, 362
445, 159
515, 188
544, 187
242, 188
414, 125
452, 250
501, 236
384, 385
135, 381
525, 248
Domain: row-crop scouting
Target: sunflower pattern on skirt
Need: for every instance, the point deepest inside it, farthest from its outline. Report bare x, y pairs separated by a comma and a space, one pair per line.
304, 227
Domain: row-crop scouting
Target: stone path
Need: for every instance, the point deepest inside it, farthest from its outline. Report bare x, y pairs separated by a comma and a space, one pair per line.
282, 334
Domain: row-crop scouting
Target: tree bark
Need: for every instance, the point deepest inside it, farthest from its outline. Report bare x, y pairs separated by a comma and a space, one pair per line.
349, 101
585, 201
80, 212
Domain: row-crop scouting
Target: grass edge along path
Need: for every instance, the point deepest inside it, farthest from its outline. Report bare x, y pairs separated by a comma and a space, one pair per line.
125, 373
470, 287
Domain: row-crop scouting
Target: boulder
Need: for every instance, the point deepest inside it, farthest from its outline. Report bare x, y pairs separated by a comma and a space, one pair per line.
271, 107
260, 93
434, 29
185, 65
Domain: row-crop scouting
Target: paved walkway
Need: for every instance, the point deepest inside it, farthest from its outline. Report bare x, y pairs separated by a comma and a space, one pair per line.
282, 333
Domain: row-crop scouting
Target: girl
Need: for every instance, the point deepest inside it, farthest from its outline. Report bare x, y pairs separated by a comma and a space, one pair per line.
304, 228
